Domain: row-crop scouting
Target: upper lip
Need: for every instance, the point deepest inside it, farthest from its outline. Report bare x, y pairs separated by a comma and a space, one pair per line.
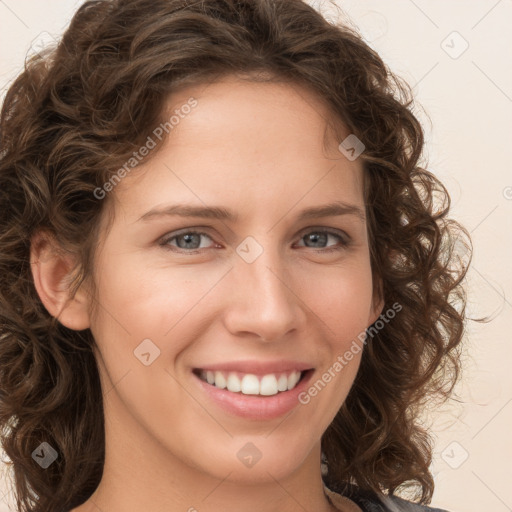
258, 367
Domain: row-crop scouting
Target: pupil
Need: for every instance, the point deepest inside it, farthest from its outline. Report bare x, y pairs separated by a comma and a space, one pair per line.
316, 236
188, 238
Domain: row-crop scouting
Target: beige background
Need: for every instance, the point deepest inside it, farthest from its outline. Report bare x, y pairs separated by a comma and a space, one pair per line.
458, 57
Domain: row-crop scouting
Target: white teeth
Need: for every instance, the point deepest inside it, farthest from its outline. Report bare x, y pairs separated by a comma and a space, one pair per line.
293, 378
220, 381
250, 384
268, 385
282, 383
234, 383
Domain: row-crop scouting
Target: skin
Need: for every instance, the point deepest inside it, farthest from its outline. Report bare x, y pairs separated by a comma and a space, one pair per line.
255, 148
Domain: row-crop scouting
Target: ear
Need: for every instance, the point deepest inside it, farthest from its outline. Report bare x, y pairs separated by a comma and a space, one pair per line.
377, 303
52, 273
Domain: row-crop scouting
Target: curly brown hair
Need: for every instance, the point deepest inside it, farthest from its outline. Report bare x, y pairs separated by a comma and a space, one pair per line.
75, 115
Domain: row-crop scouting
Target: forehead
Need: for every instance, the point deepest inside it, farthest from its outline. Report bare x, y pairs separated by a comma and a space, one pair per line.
239, 104
244, 142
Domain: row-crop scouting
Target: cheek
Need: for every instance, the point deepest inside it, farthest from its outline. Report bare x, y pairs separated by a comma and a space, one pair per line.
141, 297
172, 305
341, 311
342, 301
138, 302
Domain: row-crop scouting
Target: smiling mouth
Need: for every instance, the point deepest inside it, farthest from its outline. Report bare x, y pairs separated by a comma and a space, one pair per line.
250, 384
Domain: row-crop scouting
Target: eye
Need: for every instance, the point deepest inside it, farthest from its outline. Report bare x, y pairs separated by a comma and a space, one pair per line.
321, 236
189, 241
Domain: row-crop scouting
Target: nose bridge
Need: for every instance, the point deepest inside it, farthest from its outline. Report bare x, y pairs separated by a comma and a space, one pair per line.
264, 302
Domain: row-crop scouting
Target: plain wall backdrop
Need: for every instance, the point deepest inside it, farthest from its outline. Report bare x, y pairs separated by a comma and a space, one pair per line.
457, 55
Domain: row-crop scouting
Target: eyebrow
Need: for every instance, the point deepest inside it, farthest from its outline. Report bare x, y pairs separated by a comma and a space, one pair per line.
335, 209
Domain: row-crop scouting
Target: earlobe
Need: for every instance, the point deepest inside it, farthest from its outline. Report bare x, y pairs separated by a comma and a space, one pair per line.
377, 310
377, 303
52, 273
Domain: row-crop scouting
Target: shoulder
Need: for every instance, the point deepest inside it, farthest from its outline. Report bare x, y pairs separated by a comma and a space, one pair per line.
371, 502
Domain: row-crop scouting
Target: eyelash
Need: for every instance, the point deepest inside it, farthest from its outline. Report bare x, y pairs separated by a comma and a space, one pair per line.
164, 242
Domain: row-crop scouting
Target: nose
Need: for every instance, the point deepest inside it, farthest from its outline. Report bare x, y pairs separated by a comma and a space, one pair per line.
267, 300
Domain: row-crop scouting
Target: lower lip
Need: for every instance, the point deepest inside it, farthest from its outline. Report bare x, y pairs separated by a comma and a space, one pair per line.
256, 407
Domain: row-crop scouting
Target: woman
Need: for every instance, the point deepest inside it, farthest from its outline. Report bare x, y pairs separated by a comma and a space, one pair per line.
171, 336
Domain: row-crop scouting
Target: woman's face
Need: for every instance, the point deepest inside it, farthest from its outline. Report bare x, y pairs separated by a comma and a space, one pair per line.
266, 292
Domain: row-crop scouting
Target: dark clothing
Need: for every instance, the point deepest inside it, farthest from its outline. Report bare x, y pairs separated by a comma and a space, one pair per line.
371, 502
